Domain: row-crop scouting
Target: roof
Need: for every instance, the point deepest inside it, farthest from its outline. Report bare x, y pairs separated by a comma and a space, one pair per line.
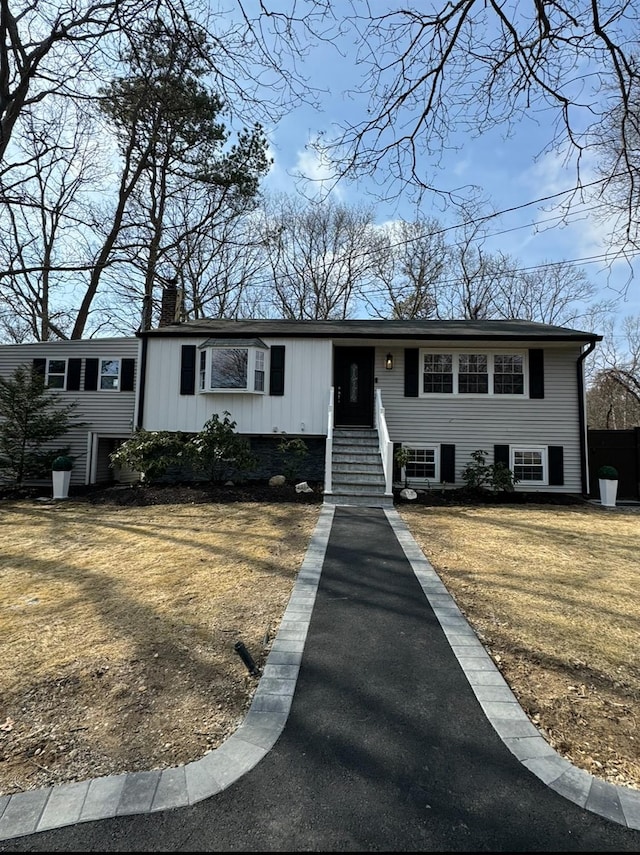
234, 342
492, 330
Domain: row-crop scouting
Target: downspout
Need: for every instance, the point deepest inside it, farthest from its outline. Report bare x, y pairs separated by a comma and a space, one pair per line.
582, 418
142, 382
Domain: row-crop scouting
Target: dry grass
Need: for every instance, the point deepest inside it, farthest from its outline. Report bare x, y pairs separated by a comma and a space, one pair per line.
118, 622
118, 625
553, 594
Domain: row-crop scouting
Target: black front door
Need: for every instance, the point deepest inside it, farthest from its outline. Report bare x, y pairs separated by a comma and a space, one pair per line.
353, 385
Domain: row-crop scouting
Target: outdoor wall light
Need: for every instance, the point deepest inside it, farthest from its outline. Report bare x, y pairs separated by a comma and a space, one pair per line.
389, 362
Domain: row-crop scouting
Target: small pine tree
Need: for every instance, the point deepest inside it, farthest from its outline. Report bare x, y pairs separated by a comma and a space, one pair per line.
30, 417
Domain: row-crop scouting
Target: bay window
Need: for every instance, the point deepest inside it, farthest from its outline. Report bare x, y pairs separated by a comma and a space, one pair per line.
232, 366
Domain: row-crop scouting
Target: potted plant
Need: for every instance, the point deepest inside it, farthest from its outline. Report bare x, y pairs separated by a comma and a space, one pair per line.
608, 480
402, 456
61, 473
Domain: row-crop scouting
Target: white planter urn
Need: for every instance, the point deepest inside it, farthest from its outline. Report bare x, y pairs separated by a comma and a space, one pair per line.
608, 492
61, 476
61, 481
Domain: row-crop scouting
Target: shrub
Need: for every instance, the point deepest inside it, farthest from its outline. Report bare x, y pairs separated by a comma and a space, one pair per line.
218, 451
62, 463
151, 453
608, 473
481, 475
293, 453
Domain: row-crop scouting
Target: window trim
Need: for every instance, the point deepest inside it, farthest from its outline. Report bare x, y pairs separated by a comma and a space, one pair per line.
435, 447
455, 354
47, 374
205, 366
543, 449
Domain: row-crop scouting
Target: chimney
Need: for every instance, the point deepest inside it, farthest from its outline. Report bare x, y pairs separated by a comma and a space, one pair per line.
170, 308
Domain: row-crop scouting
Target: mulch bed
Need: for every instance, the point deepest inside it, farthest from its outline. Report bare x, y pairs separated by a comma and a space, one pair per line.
260, 491
170, 494
466, 496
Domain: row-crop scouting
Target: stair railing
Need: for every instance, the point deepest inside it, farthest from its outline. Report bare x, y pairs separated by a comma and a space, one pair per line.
385, 444
328, 452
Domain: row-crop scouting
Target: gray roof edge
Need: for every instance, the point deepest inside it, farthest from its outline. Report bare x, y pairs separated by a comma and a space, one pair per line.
493, 330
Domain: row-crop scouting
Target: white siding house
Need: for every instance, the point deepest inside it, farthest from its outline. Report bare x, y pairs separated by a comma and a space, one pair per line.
444, 389
353, 390
101, 375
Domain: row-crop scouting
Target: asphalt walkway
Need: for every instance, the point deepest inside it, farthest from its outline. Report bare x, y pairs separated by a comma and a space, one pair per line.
379, 724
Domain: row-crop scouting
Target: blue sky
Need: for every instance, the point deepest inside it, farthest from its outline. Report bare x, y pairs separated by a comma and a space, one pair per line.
506, 169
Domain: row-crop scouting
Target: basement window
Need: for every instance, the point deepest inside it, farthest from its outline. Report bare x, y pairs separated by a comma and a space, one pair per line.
422, 464
529, 465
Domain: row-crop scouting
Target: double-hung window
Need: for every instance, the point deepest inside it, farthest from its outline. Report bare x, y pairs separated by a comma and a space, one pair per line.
463, 373
422, 464
508, 374
232, 366
437, 373
473, 373
529, 465
109, 376
56, 373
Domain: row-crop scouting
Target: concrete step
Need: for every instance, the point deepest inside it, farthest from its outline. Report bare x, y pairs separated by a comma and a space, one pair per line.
351, 448
372, 467
361, 501
362, 444
358, 488
362, 461
356, 433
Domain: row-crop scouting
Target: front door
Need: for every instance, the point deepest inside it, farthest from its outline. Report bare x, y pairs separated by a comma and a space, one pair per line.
353, 386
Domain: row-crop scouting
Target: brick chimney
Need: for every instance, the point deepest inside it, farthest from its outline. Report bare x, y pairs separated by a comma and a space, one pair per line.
170, 307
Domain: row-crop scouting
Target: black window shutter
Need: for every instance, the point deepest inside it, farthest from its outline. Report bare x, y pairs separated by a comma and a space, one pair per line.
188, 370
40, 366
556, 465
536, 373
90, 375
448, 463
73, 375
397, 471
126, 380
411, 372
501, 454
276, 370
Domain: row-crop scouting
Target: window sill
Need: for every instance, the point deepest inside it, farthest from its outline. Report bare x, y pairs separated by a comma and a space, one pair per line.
229, 392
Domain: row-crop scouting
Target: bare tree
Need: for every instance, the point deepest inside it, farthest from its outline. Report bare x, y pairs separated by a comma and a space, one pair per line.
411, 257
618, 142
319, 256
428, 270
221, 267
618, 359
43, 222
51, 49
553, 293
611, 406
431, 71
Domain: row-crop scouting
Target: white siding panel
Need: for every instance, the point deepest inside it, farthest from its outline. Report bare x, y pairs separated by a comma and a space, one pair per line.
305, 399
105, 412
480, 422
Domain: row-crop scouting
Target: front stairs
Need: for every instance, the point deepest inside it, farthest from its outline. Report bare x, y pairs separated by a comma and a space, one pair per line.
357, 476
